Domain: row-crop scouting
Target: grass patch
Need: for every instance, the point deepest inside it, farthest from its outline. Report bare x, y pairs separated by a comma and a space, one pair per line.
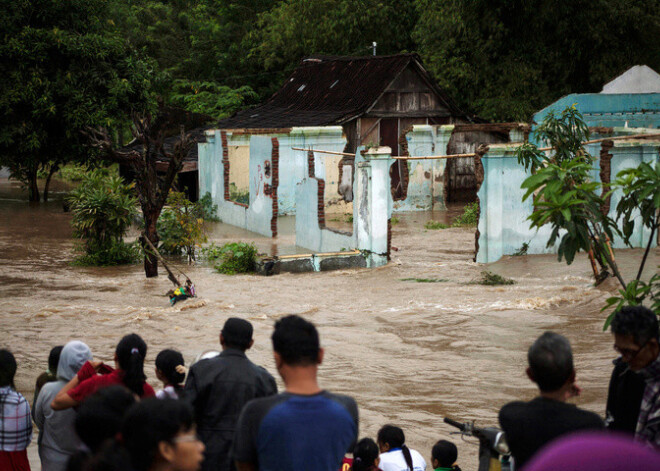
426, 280
470, 216
493, 279
435, 225
394, 220
522, 250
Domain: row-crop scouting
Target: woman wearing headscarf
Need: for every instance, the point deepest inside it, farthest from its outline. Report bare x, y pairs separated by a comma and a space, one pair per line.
57, 439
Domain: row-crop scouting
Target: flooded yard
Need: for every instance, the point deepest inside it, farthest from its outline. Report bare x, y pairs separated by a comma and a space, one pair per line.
410, 352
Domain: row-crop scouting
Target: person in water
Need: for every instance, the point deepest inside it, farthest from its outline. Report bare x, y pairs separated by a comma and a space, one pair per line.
444, 455
365, 456
129, 361
182, 292
394, 454
171, 371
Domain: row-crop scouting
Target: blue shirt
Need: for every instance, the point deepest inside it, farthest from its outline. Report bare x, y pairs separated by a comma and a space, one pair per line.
291, 432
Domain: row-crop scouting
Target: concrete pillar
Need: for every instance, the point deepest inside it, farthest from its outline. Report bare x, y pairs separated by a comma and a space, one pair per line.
373, 204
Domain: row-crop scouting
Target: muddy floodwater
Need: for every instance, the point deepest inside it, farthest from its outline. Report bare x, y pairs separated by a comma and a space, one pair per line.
409, 352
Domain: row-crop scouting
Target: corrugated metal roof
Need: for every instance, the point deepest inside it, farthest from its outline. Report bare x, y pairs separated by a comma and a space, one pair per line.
326, 90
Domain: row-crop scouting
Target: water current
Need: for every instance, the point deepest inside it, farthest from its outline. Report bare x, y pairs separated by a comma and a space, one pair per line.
410, 353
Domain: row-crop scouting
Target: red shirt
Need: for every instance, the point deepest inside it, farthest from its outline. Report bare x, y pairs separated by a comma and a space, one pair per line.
93, 384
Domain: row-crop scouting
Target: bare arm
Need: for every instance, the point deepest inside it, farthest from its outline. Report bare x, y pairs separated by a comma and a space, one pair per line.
242, 466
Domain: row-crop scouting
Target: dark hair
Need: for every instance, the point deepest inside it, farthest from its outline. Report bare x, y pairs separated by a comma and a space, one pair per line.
446, 453
166, 362
395, 438
131, 351
7, 368
150, 422
100, 416
237, 333
638, 321
54, 358
365, 454
550, 361
296, 340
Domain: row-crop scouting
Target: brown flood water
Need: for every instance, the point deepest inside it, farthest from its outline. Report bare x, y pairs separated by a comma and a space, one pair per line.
410, 353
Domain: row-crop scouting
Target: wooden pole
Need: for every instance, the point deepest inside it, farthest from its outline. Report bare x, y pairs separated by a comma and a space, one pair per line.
433, 157
170, 276
324, 151
615, 138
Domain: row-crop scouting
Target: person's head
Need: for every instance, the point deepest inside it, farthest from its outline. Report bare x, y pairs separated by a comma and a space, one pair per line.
296, 342
7, 368
236, 333
635, 330
161, 432
73, 356
365, 455
551, 362
100, 416
390, 437
130, 353
443, 454
54, 358
166, 363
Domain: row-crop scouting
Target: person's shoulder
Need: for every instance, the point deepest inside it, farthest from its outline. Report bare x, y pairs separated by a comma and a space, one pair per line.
148, 390
513, 408
590, 419
50, 389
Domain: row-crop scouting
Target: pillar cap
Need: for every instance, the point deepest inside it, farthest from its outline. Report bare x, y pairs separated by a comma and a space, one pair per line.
378, 152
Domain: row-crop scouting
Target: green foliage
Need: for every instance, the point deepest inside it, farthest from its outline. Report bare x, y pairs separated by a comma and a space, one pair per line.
470, 216
239, 196
102, 208
181, 226
493, 279
232, 258
211, 98
433, 225
114, 253
506, 60
65, 67
522, 250
207, 210
566, 199
394, 220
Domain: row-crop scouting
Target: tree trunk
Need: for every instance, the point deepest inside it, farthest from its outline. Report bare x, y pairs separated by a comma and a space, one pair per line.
53, 170
33, 188
150, 259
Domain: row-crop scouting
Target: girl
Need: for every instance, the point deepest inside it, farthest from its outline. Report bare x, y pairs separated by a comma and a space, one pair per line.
156, 435
171, 371
365, 456
443, 456
15, 420
394, 454
129, 372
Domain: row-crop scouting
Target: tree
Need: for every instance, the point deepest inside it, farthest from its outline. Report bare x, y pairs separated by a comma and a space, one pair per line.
152, 188
64, 67
566, 198
504, 60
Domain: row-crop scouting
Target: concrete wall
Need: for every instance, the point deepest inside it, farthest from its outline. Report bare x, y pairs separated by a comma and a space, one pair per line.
503, 225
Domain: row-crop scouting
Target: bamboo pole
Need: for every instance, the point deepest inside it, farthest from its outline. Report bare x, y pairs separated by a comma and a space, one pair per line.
324, 151
615, 138
433, 157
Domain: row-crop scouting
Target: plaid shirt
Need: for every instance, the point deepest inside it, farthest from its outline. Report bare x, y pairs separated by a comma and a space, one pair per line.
15, 421
648, 423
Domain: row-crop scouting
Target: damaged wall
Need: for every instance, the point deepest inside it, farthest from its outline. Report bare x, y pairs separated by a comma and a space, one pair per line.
503, 225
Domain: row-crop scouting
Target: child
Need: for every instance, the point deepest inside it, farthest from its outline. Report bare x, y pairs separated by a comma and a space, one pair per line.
15, 420
394, 454
443, 456
365, 456
49, 375
171, 371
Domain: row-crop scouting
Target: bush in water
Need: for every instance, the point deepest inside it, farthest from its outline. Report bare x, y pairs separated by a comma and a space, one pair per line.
181, 225
102, 208
470, 216
233, 257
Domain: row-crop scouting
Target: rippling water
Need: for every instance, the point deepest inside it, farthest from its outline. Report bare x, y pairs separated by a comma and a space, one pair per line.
410, 353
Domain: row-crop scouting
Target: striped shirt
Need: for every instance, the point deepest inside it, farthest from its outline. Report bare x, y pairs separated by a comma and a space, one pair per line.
15, 421
648, 422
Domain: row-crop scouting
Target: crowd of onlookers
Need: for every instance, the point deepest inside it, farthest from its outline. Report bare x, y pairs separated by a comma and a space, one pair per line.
225, 413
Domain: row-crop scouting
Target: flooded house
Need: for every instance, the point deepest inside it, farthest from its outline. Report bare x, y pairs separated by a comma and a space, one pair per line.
342, 105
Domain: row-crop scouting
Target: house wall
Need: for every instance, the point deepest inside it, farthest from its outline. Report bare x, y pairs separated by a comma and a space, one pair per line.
503, 225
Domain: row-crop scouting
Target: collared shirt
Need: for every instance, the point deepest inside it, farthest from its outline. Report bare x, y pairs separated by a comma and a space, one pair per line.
15, 421
648, 423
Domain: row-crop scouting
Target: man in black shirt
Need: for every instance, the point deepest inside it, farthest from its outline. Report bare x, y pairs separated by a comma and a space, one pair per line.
531, 425
219, 387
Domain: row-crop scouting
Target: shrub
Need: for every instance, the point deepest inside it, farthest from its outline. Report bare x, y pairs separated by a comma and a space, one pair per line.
206, 209
470, 216
116, 253
493, 279
102, 208
433, 225
232, 258
180, 226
